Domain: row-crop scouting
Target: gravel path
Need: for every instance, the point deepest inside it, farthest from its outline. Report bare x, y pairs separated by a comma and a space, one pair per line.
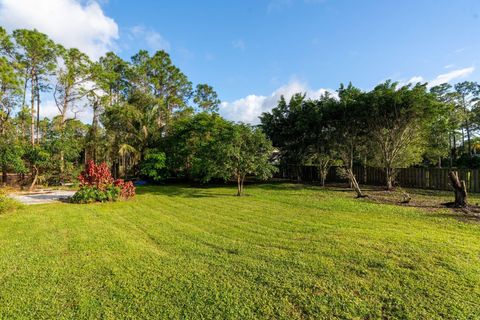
43, 196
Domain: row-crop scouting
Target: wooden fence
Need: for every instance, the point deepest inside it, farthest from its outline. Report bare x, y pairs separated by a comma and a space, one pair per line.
422, 178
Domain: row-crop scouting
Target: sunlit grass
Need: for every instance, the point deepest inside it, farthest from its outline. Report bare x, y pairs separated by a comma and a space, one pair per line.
283, 251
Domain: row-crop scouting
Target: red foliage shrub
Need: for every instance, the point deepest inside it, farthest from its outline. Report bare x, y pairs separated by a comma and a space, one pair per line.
99, 176
96, 176
127, 189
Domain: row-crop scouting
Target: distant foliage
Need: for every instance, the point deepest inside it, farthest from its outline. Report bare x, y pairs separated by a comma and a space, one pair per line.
98, 185
153, 167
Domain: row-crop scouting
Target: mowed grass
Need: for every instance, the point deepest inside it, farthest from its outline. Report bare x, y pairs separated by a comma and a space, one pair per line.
284, 251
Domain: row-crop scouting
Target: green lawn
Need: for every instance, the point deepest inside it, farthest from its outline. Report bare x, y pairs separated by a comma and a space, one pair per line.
284, 251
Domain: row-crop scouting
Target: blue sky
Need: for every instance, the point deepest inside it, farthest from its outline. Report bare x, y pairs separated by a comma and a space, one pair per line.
252, 51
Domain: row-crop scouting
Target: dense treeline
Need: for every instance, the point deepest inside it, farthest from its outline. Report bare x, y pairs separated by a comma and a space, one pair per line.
390, 127
147, 118
149, 121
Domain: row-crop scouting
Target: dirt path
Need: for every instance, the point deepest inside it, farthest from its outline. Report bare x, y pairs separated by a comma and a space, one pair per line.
43, 196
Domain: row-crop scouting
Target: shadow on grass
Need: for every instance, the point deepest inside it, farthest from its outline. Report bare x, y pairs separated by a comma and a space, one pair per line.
184, 191
460, 216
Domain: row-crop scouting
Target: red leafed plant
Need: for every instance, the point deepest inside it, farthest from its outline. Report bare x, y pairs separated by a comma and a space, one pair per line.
96, 176
127, 189
99, 176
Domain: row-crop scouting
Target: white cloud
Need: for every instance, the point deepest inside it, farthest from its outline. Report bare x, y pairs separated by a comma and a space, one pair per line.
239, 44
277, 5
249, 108
69, 22
280, 5
441, 78
449, 76
154, 40
412, 80
80, 111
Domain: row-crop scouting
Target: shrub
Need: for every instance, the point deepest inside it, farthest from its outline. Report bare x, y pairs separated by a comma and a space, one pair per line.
96, 175
7, 204
153, 167
127, 189
98, 185
93, 194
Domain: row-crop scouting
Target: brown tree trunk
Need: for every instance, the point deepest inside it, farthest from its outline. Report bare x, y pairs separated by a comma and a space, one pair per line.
389, 178
323, 177
4, 176
239, 186
354, 183
38, 114
32, 111
35, 177
459, 189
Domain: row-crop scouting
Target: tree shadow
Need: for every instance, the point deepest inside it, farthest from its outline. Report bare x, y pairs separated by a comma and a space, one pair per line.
183, 191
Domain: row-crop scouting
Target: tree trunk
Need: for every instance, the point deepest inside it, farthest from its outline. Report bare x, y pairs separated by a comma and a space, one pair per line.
323, 177
460, 190
35, 177
454, 150
469, 142
38, 113
4, 176
354, 183
298, 169
365, 177
389, 178
32, 111
239, 186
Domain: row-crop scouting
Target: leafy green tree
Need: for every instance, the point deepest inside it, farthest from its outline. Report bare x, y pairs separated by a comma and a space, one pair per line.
65, 147
398, 123
287, 126
154, 165
10, 92
11, 153
206, 98
39, 159
246, 151
448, 124
190, 146
37, 55
468, 94
73, 76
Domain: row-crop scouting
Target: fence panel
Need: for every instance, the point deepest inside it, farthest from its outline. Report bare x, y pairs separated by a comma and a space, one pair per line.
422, 178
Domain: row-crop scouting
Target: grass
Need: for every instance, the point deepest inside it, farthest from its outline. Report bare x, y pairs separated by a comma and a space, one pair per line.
284, 251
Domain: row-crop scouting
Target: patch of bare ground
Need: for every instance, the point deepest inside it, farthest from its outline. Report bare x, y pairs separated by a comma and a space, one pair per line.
431, 200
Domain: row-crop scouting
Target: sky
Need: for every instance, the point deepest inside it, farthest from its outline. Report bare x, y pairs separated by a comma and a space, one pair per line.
253, 51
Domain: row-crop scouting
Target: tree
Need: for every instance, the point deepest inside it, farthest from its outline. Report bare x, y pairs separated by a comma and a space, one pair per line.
154, 166
72, 79
287, 126
193, 146
468, 95
246, 151
206, 98
39, 159
170, 87
444, 129
398, 124
37, 55
10, 92
11, 153
108, 83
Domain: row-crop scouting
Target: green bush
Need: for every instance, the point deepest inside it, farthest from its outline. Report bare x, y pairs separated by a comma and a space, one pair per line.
7, 204
89, 194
